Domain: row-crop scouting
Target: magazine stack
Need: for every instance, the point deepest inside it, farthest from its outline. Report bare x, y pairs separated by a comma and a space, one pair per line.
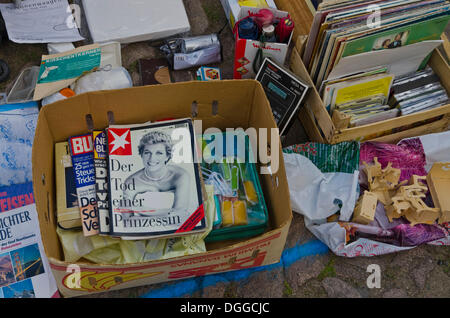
137, 181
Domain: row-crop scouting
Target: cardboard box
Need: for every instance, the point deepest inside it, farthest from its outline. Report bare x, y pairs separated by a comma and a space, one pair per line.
220, 104
438, 180
233, 8
246, 50
320, 126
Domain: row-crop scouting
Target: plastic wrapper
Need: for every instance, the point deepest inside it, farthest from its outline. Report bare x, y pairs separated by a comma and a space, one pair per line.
436, 147
75, 245
115, 78
380, 237
23, 88
407, 235
108, 250
17, 128
209, 55
403, 235
62, 94
229, 166
342, 157
189, 45
408, 156
319, 195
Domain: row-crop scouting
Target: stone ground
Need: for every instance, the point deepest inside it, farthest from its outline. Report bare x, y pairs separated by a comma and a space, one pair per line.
422, 272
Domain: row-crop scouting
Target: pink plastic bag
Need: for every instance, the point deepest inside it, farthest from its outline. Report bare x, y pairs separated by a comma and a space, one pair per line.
408, 156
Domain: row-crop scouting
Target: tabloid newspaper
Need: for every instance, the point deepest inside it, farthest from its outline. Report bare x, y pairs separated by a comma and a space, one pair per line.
24, 268
101, 180
154, 180
81, 151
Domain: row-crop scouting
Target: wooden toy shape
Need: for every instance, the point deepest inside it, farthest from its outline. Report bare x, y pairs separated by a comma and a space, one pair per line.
412, 191
439, 183
372, 171
425, 216
398, 208
384, 196
391, 175
382, 179
366, 206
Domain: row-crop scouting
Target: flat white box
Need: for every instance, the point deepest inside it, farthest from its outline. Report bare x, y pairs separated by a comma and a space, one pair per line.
128, 21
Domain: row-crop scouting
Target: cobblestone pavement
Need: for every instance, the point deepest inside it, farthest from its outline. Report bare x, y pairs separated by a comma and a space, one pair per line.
422, 272
308, 269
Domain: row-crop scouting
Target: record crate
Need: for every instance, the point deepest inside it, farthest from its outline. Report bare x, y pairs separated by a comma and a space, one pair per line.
321, 127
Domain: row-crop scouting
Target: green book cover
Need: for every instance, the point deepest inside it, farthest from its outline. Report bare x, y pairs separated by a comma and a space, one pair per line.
69, 66
400, 36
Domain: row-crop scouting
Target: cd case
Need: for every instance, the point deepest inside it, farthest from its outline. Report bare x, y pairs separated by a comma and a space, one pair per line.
285, 92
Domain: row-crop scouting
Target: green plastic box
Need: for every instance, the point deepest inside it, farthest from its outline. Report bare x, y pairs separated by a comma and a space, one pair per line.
228, 163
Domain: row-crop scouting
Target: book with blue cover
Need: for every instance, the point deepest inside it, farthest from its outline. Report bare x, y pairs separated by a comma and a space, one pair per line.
16, 196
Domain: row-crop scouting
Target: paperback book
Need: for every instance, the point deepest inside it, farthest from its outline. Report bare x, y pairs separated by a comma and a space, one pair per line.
155, 189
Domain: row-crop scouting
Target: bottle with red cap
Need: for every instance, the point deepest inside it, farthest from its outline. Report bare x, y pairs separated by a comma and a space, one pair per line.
284, 29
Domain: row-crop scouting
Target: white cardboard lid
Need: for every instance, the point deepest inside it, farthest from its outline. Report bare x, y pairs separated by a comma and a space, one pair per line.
128, 21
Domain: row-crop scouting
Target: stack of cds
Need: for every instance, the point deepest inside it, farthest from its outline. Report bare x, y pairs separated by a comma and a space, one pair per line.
418, 91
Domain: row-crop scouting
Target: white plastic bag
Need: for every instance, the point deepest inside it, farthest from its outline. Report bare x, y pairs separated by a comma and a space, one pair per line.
436, 148
319, 195
115, 78
314, 195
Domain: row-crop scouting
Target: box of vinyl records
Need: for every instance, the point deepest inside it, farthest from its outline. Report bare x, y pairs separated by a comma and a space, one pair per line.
407, 104
377, 81
154, 181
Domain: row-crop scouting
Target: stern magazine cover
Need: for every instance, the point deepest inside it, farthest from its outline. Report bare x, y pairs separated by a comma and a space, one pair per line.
155, 187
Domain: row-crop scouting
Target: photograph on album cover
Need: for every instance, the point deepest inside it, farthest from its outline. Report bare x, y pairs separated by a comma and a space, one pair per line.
154, 179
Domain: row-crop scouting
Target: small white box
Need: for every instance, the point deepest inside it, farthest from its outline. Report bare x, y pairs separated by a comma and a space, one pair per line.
128, 21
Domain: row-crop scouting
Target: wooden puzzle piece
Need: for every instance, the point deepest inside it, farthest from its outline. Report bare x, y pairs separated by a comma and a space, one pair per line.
419, 181
372, 171
382, 179
383, 196
412, 191
426, 216
366, 206
392, 175
438, 180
